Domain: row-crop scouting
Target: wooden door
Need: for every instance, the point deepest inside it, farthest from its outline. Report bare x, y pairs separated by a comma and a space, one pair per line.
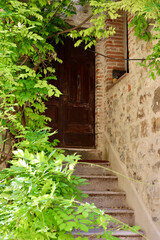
73, 113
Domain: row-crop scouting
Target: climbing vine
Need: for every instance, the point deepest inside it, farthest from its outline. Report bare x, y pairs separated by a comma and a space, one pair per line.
140, 27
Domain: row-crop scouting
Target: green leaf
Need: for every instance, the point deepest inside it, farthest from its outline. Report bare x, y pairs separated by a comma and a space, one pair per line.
85, 214
46, 186
153, 76
84, 228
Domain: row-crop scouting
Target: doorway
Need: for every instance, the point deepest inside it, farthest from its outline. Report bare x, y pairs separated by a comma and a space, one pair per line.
73, 114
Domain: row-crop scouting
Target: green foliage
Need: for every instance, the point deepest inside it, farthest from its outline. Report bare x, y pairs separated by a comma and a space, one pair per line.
153, 60
140, 27
29, 32
139, 7
100, 11
39, 199
25, 66
36, 140
36, 194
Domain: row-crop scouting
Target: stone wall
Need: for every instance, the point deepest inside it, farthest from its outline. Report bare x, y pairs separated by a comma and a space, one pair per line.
132, 125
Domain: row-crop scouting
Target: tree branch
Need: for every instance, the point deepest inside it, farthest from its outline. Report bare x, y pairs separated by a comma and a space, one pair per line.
78, 26
5, 154
25, 59
37, 52
23, 121
57, 10
53, 14
35, 68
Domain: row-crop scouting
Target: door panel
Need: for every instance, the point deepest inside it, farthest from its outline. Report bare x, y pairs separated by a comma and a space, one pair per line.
73, 113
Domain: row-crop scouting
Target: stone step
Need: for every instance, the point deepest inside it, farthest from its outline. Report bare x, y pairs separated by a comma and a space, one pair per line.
102, 191
88, 168
100, 183
127, 235
120, 234
122, 214
85, 153
105, 199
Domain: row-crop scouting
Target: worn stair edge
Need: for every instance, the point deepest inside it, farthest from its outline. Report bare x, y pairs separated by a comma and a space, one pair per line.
90, 169
105, 193
128, 233
85, 153
99, 183
123, 215
119, 233
98, 177
97, 162
105, 199
118, 210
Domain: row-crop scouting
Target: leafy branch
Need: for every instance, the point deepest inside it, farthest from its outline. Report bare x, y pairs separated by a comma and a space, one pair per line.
77, 27
39, 198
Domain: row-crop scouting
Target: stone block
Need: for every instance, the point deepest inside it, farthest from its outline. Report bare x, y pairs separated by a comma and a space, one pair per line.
149, 46
140, 113
144, 129
156, 101
155, 125
143, 98
156, 166
134, 132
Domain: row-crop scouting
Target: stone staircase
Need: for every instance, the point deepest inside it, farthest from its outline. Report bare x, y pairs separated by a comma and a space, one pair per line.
103, 191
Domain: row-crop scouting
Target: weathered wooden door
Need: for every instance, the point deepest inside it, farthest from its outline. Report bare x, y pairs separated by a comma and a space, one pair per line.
73, 113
